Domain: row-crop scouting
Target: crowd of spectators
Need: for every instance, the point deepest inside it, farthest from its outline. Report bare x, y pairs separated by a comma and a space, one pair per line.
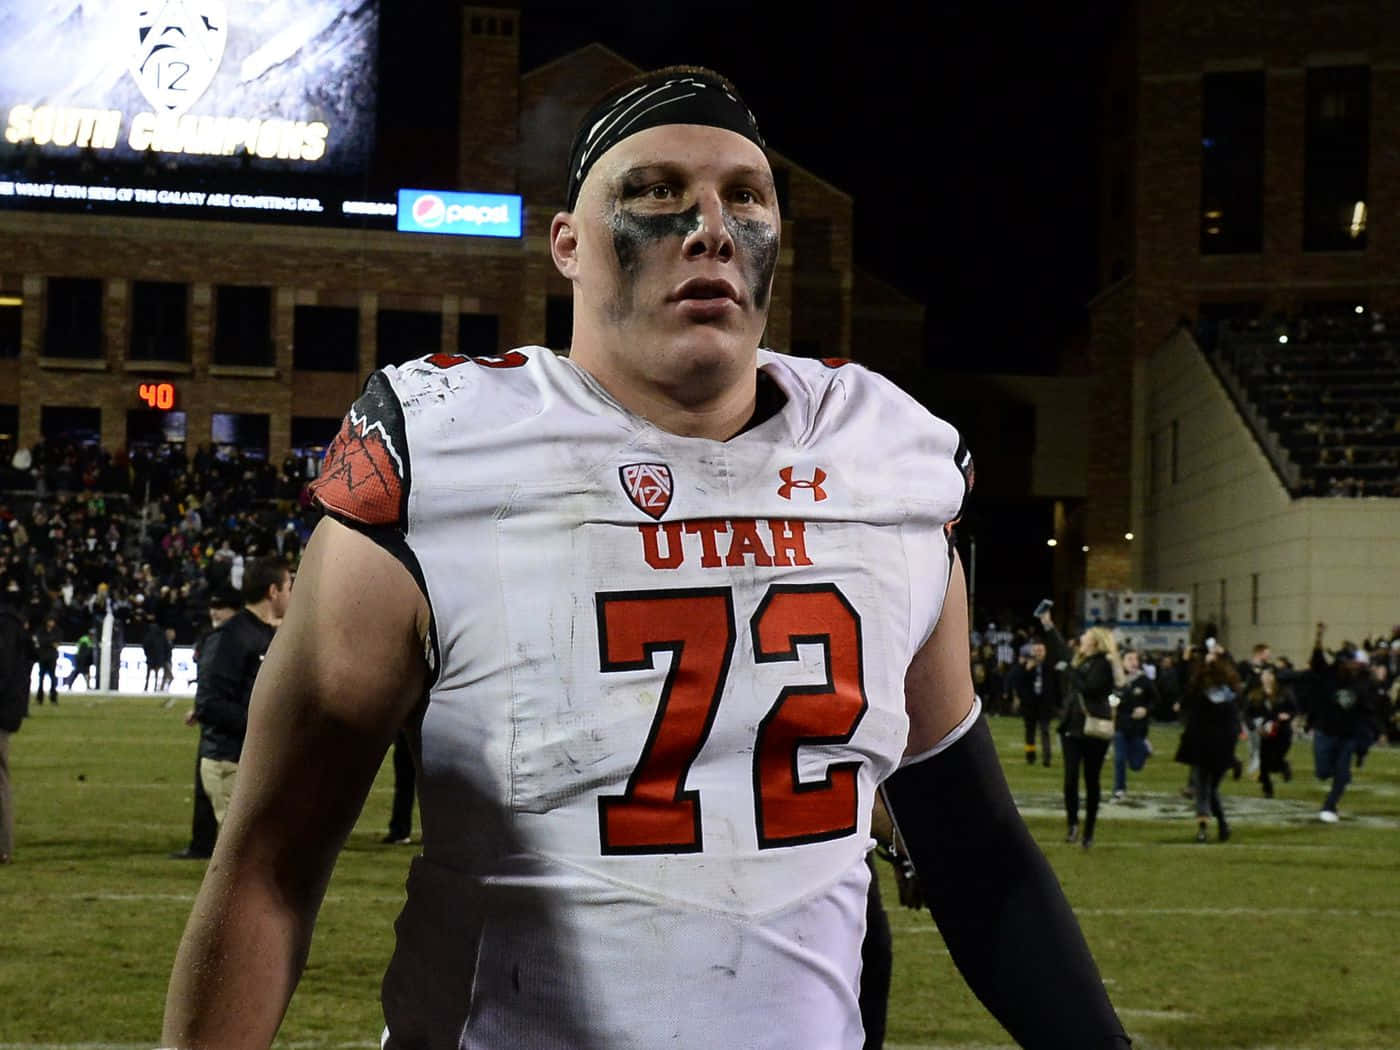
1329, 387
996, 652
148, 535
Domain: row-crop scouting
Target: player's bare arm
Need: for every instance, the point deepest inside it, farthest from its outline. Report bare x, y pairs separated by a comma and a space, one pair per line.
344, 672
1001, 911
938, 685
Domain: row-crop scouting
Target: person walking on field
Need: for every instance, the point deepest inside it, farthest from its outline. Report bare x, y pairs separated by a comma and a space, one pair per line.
1211, 706
1094, 671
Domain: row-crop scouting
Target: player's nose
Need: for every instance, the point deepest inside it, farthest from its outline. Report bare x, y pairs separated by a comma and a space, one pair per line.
710, 236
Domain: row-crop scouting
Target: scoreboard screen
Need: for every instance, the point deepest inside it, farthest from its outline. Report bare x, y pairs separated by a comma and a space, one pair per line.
279, 85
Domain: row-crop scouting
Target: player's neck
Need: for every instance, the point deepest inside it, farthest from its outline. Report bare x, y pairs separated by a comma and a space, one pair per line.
719, 415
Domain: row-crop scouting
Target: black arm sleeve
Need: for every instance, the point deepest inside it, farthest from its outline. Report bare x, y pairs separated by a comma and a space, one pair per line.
997, 903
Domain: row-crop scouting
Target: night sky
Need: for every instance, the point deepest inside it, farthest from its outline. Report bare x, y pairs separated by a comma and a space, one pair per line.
965, 133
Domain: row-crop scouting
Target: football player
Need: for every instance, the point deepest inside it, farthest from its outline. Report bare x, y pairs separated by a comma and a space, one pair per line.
661, 617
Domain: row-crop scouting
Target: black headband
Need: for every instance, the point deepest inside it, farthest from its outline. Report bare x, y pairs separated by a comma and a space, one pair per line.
669, 97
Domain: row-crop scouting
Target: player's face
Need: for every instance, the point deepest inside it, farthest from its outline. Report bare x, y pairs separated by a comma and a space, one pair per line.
1038, 653
1131, 663
678, 231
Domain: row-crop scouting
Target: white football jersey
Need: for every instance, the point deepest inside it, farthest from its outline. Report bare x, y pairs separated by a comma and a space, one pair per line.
668, 678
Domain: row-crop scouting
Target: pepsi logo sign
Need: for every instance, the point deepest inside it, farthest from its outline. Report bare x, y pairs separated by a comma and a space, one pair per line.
429, 210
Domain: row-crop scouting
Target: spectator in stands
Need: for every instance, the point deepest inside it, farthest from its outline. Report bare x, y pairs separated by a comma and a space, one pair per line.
1212, 729
1137, 697
1338, 718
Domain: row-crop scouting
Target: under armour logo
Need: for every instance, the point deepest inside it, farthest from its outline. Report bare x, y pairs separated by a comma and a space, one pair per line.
818, 476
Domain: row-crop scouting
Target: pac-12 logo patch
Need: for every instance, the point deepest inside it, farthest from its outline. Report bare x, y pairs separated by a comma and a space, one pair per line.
177, 49
648, 486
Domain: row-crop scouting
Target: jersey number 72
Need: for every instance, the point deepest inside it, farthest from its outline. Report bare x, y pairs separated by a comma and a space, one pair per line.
656, 814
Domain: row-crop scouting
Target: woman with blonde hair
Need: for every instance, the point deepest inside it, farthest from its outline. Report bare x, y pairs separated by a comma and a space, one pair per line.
1094, 671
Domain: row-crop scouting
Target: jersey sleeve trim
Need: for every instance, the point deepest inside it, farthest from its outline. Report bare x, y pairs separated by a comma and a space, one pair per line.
366, 474
954, 735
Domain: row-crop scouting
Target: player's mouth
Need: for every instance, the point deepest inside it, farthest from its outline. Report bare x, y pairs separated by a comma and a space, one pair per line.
706, 298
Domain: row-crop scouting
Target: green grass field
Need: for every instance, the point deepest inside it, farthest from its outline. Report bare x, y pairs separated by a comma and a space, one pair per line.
1285, 937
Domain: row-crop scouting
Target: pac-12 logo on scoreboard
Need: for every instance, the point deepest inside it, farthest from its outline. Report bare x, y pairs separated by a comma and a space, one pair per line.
177, 49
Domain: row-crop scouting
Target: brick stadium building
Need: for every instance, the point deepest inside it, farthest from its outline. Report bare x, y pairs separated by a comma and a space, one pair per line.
1250, 174
275, 327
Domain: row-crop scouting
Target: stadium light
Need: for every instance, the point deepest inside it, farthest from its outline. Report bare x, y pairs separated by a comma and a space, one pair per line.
11, 300
1085, 548
1283, 339
1052, 542
1360, 309
1128, 536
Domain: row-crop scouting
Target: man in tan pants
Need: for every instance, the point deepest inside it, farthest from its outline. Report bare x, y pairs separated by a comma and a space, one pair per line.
228, 664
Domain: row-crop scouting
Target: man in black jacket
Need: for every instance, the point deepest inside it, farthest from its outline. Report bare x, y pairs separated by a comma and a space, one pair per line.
16, 658
204, 829
49, 637
1036, 687
1338, 716
228, 665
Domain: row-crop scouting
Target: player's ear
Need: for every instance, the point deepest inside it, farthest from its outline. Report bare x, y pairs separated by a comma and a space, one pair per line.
563, 244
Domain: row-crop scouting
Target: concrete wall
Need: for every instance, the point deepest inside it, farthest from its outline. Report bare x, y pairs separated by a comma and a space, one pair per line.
1228, 517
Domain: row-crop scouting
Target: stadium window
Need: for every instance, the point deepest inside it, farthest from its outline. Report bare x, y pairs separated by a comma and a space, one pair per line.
73, 317
1254, 599
159, 322
9, 428
11, 315
1232, 162
476, 25
151, 429
478, 334
1336, 153
82, 426
407, 334
558, 322
507, 27
243, 325
491, 27
326, 338
234, 433
310, 436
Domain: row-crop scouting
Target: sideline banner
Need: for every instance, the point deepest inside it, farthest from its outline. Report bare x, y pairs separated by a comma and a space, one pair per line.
131, 677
